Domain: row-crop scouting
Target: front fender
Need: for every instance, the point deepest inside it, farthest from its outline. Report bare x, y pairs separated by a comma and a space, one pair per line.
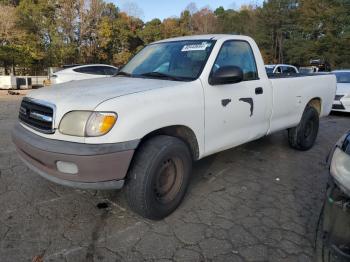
141, 113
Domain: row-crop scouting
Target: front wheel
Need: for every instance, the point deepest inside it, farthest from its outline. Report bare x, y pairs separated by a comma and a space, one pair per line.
303, 136
159, 176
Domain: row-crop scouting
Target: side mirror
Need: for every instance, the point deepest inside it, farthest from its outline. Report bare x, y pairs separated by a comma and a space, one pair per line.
226, 75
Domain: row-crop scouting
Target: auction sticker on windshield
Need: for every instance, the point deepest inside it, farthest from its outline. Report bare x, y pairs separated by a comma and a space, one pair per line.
196, 47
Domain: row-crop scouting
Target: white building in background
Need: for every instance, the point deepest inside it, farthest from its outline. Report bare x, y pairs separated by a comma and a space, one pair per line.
7, 82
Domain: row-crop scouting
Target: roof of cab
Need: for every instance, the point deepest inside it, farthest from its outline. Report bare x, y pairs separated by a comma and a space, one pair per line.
204, 37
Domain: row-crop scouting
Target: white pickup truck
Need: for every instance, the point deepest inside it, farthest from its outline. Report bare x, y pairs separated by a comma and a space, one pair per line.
176, 101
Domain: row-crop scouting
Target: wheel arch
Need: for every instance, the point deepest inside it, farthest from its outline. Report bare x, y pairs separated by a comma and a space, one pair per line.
181, 132
316, 103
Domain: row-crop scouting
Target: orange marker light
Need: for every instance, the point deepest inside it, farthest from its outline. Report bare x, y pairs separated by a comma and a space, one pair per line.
107, 123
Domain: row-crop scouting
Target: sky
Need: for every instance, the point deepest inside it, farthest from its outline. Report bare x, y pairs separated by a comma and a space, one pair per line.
149, 9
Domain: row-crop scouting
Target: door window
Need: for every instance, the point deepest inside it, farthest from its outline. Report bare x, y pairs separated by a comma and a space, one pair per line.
288, 70
278, 70
237, 53
91, 70
109, 70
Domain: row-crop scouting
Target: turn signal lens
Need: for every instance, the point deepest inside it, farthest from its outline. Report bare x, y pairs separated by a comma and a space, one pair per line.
107, 123
100, 123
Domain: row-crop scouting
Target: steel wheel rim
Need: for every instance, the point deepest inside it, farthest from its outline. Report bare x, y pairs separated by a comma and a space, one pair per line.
169, 180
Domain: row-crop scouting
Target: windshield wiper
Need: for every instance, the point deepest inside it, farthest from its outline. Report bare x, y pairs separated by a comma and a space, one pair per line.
163, 76
122, 73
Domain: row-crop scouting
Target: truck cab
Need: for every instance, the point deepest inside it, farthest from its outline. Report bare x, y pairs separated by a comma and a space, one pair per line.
177, 101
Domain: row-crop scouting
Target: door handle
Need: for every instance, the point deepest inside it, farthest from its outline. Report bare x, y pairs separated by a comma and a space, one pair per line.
259, 90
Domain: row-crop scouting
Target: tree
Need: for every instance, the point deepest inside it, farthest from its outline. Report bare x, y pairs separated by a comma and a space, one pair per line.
132, 9
191, 8
171, 27
152, 31
8, 29
276, 23
38, 20
91, 16
186, 23
10, 2
57, 32
237, 22
324, 28
204, 21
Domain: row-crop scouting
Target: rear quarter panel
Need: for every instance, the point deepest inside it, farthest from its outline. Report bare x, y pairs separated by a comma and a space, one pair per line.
292, 94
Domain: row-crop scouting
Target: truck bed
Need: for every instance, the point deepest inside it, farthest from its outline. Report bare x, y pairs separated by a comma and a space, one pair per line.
274, 76
292, 92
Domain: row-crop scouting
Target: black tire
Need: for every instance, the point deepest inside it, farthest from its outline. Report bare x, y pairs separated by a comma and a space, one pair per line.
303, 136
158, 177
323, 253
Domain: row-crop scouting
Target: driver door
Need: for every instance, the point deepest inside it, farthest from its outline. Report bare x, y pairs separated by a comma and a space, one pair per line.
236, 113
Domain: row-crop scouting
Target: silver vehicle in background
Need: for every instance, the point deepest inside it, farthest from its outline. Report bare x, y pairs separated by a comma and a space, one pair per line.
335, 229
281, 69
83, 72
342, 97
308, 70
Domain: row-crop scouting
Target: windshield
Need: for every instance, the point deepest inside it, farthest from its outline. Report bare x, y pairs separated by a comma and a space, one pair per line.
269, 69
343, 77
179, 60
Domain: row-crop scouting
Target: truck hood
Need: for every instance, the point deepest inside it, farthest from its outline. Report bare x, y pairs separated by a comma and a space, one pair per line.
88, 94
343, 88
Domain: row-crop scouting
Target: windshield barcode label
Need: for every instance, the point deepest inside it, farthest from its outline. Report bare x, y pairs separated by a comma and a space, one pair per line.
196, 47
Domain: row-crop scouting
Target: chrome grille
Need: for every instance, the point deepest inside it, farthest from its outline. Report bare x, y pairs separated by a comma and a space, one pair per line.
37, 114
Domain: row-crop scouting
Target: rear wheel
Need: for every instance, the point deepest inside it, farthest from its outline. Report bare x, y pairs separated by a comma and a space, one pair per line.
303, 136
159, 177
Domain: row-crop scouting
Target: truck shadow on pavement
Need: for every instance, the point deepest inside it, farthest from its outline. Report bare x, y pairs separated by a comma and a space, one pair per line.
259, 200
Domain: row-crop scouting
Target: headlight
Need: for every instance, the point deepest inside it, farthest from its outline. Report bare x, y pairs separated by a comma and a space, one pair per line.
340, 168
87, 123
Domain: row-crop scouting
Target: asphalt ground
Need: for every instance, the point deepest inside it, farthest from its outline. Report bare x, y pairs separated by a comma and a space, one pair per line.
256, 202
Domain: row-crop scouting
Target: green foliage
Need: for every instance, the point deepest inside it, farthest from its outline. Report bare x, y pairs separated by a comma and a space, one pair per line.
36, 34
325, 27
152, 31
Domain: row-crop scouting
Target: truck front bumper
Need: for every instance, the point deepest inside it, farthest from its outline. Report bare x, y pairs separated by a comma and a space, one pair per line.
79, 165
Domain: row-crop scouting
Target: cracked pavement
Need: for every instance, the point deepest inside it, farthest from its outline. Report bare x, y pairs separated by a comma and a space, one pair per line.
256, 202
